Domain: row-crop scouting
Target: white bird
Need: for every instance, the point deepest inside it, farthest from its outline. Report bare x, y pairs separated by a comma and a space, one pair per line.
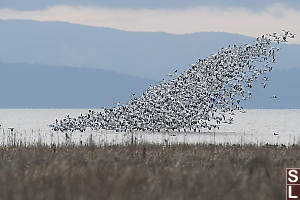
173, 74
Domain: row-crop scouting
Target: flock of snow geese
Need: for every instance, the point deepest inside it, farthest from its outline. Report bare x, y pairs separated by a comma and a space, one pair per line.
202, 97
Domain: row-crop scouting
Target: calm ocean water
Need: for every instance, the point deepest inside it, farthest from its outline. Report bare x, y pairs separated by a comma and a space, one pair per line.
254, 126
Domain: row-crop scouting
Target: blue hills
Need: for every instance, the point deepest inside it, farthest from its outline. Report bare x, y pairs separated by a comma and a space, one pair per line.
43, 86
62, 65
143, 54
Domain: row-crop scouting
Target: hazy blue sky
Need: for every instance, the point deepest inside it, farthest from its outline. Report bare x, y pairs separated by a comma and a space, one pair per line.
252, 4
247, 17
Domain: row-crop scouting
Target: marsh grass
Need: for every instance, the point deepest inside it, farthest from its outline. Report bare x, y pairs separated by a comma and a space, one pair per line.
145, 172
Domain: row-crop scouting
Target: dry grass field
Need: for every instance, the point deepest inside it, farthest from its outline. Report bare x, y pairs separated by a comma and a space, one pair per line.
145, 172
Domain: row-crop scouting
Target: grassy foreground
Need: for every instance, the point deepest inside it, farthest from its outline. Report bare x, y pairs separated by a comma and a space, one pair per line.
146, 172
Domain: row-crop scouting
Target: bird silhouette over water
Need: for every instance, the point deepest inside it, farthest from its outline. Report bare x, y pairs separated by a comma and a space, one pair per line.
204, 96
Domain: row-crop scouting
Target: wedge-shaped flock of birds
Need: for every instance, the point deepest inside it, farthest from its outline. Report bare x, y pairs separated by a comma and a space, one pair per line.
202, 97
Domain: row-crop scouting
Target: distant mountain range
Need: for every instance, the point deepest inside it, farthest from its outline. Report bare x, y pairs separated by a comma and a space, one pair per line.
42, 86
143, 54
73, 66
